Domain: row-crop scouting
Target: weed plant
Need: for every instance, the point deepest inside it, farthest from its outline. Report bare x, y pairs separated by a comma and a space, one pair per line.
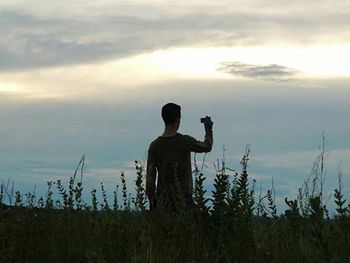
236, 226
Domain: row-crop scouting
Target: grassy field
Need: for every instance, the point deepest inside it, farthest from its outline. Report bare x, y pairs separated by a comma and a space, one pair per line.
236, 227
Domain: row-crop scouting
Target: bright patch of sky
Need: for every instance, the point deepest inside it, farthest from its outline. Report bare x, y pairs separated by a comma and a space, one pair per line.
190, 63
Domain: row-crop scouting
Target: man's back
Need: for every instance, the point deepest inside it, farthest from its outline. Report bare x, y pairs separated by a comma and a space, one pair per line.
170, 157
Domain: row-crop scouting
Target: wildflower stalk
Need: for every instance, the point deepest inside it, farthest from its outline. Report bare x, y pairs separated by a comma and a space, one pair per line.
49, 200
140, 202
104, 205
339, 200
124, 191
115, 198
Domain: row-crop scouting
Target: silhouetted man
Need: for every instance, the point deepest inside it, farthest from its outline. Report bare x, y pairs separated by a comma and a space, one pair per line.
169, 159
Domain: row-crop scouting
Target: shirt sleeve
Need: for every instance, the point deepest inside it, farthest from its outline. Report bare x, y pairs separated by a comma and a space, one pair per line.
151, 173
199, 146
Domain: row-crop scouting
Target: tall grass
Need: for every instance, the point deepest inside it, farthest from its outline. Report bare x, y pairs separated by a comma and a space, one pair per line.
233, 225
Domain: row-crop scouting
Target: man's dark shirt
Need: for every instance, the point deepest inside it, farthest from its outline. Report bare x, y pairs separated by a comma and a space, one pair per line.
170, 159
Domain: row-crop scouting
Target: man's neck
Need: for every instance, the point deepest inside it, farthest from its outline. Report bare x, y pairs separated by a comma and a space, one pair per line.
169, 131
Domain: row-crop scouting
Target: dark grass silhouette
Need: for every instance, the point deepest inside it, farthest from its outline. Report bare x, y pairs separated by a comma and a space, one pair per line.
236, 227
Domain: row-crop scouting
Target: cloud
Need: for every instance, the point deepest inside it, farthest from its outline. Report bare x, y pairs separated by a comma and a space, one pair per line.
32, 40
271, 72
40, 42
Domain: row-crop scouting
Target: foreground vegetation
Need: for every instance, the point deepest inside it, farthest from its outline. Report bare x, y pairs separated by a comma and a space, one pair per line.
238, 226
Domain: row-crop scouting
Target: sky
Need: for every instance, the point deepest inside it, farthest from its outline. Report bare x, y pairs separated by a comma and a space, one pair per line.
79, 77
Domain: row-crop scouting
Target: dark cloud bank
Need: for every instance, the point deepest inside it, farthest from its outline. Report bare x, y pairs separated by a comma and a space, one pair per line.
31, 42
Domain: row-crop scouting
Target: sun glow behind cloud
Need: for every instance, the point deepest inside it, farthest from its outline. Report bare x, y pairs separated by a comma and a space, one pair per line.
135, 72
311, 61
9, 87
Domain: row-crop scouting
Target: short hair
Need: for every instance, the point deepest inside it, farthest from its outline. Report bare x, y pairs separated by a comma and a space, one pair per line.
170, 112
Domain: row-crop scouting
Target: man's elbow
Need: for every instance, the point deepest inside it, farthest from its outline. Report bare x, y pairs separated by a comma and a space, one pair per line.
209, 148
206, 147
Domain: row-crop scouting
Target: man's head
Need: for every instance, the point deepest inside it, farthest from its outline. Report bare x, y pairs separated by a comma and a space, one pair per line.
171, 114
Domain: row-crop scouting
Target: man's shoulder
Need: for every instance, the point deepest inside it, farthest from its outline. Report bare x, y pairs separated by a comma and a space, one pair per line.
162, 139
181, 137
154, 143
177, 137
187, 137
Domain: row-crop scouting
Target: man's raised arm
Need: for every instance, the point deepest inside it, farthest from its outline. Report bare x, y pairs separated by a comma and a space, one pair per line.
201, 146
207, 144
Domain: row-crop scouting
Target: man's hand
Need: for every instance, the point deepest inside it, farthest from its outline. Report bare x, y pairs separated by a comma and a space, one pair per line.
208, 124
